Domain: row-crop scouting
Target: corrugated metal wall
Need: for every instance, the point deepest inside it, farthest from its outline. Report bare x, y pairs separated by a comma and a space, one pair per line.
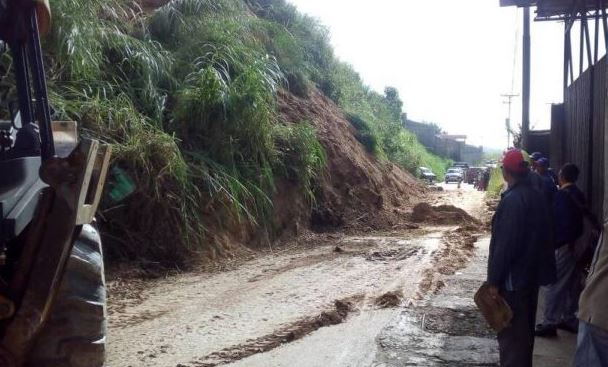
576, 129
580, 138
597, 138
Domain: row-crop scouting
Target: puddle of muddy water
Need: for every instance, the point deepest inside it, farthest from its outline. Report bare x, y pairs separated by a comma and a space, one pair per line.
224, 310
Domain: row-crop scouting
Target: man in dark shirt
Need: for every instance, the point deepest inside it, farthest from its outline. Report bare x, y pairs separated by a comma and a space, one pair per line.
534, 178
561, 299
521, 258
549, 187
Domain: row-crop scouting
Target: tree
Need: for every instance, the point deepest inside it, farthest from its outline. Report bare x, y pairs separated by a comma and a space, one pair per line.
391, 96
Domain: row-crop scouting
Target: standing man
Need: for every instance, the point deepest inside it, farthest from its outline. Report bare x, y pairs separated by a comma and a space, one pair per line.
549, 184
486, 178
561, 299
535, 157
535, 179
521, 258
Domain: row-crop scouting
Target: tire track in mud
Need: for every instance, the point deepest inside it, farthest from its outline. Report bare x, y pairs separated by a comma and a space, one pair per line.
342, 309
297, 330
457, 246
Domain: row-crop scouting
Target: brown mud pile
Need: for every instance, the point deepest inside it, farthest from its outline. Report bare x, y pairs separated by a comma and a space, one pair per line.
442, 215
297, 330
389, 299
357, 192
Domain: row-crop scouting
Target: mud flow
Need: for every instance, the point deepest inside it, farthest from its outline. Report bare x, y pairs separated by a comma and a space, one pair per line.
329, 287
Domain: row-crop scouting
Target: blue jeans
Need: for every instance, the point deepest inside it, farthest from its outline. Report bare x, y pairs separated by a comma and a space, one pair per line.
561, 298
591, 346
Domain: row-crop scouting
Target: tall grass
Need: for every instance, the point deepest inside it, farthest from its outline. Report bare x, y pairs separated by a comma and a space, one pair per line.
496, 184
187, 98
302, 155
366, 134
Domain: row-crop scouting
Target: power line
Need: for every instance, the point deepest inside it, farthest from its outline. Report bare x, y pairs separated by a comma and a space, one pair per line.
509, 96
515, 48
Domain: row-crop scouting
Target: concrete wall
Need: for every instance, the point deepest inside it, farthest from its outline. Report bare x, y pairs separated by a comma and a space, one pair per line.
424, 132
472, 155
430, 136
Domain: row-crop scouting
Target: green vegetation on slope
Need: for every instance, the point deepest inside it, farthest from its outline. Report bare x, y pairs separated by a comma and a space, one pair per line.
187, 96
496, 184
377, 117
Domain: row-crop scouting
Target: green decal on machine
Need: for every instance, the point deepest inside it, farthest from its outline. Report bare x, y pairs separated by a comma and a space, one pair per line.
120, 185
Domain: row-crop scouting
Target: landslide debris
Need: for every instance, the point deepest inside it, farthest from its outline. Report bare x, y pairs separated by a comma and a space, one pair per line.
389, 299
442, 215
358, 191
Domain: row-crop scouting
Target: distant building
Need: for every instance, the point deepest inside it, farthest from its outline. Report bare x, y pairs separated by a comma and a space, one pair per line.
471, 154
453, 147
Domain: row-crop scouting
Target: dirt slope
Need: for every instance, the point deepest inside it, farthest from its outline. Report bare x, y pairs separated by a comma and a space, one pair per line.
358, 191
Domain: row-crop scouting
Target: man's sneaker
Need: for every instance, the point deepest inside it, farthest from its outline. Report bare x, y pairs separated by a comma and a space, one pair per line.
545, 331
568, 326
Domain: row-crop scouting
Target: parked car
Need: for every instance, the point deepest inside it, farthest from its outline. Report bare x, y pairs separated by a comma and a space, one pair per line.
426, 174
454, 175
463, 165
491, 164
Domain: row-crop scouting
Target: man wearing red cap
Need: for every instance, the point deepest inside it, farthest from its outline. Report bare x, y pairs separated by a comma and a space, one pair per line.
521, 258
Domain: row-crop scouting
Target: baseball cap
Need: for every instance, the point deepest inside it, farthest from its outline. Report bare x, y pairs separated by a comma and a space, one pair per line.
515, 161
543, 162
536, 156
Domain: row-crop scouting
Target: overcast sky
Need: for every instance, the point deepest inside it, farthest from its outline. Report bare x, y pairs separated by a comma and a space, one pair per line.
451, 60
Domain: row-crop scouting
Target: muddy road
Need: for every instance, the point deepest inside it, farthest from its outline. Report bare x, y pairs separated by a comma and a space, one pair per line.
320, 303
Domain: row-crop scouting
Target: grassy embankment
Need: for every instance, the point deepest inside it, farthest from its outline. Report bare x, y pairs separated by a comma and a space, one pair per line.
187, 96
496, 184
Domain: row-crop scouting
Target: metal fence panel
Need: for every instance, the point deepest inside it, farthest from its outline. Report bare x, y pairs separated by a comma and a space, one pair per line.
581, 137
597, 138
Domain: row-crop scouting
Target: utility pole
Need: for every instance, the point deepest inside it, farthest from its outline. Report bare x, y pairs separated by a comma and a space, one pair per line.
525, 103
509, 101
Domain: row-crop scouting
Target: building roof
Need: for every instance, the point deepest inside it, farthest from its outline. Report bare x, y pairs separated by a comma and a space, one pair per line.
555, 8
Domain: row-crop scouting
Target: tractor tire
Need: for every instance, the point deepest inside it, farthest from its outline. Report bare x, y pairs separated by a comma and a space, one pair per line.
75, 333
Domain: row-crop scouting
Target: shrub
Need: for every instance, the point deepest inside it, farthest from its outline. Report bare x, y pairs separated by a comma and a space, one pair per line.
302, 155
365, 135
161, 211
298, 84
